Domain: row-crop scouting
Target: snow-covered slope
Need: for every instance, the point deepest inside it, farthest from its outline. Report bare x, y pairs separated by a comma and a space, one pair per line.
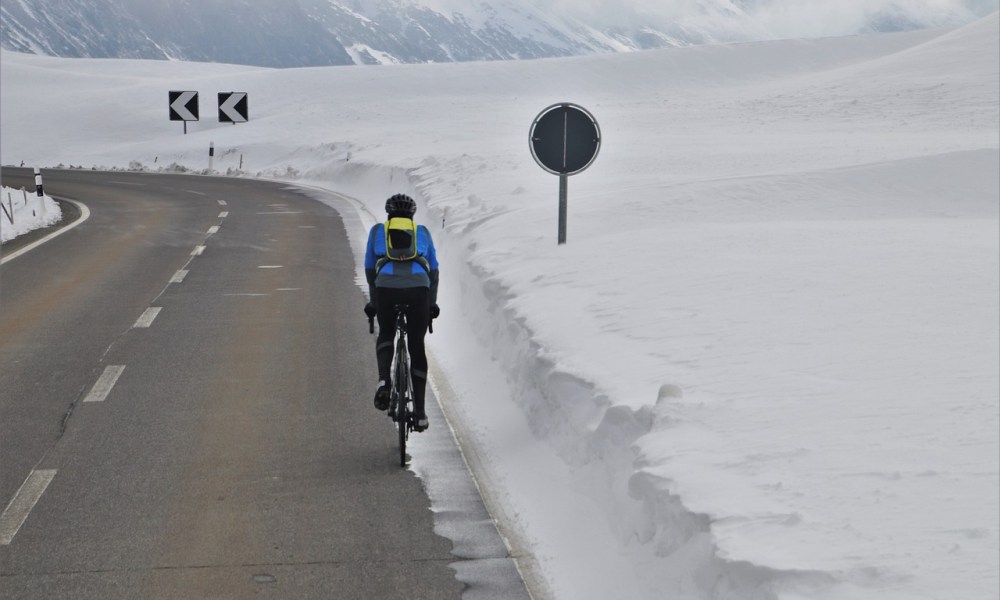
765, 364
293, 33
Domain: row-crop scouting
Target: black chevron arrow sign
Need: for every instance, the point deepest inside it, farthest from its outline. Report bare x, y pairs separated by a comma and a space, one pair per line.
233, 107
183, 106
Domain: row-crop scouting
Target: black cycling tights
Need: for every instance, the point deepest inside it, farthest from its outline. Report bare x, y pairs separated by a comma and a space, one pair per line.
417, 318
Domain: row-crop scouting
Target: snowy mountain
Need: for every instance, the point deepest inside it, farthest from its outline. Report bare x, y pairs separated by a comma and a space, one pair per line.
294, 33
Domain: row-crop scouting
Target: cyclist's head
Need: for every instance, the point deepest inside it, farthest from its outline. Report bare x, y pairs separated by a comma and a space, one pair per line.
400, 205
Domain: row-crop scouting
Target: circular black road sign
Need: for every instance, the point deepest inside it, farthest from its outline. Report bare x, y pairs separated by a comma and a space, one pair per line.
565, 139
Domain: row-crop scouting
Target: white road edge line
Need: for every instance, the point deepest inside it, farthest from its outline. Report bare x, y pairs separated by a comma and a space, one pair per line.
146, 319
84, 215
179, 276
21, 504
104, 384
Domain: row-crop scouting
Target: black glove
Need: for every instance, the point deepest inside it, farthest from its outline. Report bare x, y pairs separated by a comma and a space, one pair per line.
370, 310
435, 311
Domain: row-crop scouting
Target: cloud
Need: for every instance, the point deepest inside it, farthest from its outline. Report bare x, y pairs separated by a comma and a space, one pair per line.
762, 19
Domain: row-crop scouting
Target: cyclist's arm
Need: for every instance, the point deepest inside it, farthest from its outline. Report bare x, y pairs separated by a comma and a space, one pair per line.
434, 287
370, 261
432, 262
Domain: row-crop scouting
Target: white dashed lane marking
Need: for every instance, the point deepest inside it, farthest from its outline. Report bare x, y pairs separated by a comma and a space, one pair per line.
21, 504
103, 386
213, 229
222, 202
197, 250
224, 214
147, 317
179, 276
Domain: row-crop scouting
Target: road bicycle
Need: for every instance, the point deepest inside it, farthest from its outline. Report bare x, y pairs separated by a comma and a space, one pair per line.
401, 391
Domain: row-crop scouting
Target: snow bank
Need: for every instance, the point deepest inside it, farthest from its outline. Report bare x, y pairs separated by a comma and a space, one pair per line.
23, 212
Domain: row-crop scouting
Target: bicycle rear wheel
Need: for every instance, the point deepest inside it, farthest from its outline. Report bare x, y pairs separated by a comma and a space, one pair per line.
402, 421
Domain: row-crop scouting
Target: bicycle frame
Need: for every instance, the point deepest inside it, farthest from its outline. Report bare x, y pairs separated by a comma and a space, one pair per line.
402, 385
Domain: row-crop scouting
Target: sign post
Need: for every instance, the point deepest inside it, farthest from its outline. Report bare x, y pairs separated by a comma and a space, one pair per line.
564, 140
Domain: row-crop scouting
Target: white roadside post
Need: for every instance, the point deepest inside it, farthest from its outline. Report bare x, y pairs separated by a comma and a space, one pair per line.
38, 189
211, 156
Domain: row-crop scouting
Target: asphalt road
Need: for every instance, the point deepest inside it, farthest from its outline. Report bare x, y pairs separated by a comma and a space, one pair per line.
186, 410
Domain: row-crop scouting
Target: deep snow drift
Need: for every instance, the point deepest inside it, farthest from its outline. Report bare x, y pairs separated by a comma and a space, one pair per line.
765, 364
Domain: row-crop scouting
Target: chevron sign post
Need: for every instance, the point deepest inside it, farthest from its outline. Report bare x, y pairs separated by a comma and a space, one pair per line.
233, 107
183, 107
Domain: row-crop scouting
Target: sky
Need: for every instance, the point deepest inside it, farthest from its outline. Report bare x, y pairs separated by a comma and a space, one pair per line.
765, 363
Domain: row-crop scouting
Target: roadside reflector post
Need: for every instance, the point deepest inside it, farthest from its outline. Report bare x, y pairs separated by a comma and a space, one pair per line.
38, 182
211, 155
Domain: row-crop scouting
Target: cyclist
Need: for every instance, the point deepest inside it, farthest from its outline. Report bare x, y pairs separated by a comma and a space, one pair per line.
401, 268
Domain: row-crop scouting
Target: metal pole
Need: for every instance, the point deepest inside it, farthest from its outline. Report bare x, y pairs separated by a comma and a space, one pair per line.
563, 180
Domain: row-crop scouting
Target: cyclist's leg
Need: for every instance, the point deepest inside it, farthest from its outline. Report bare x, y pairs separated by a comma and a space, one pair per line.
385, 313
417, 320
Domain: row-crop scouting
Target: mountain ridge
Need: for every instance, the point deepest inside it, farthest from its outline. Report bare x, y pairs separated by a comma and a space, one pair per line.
303, 33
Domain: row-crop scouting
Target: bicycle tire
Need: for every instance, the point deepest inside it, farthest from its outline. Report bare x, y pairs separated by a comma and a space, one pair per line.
402, 423
402, 410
